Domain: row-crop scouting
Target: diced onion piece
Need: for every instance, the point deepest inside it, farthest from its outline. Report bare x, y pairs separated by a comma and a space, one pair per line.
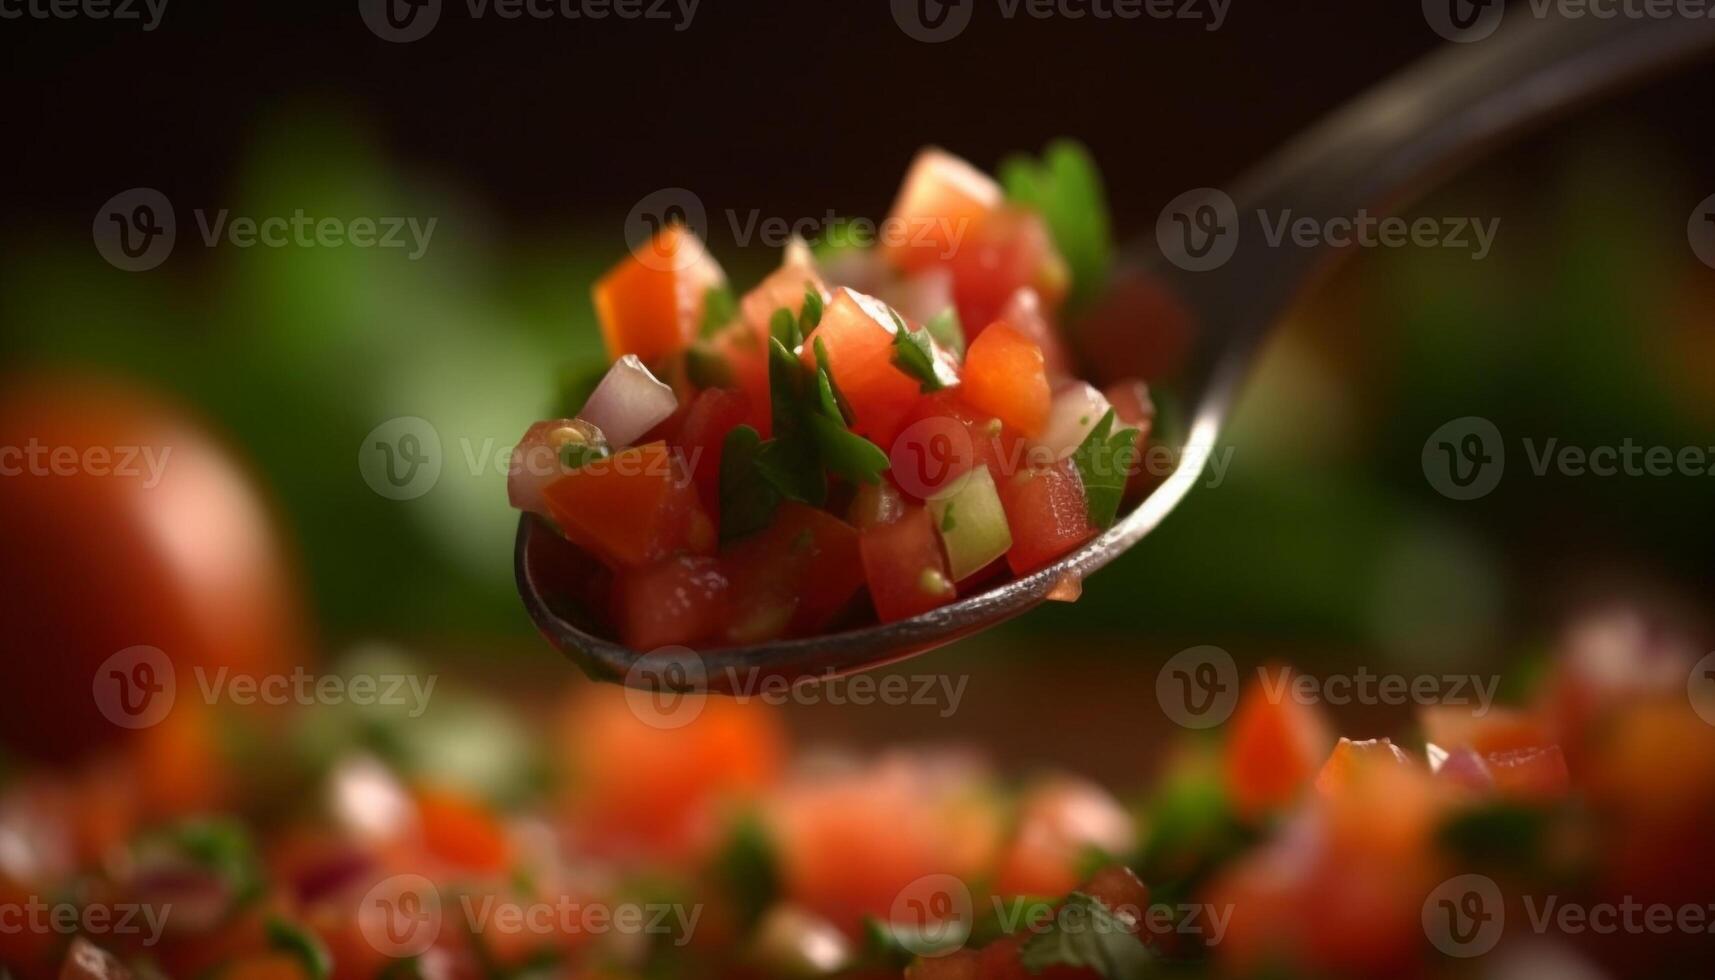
921, 297
972, 523
795, 942
1074, 412
628, 402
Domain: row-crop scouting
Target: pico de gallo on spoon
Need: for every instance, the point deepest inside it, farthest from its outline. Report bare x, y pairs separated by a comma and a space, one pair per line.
867, 434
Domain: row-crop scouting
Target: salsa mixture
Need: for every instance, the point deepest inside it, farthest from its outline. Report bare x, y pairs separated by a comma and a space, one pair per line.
613, 837
865, 435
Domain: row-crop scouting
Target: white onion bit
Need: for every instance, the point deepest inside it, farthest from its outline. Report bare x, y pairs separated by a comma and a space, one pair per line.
628, 402
1074, 412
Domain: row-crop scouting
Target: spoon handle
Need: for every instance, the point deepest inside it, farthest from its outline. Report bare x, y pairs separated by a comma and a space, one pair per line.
1383, 150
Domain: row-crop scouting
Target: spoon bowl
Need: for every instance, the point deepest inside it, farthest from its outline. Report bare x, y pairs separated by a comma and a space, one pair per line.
1377, 154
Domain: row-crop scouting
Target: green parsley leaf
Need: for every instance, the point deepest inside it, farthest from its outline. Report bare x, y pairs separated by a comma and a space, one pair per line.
843, 235
947, 522
914, 353
719, 309
789, 460
1087, 933
1104, 460
748, 500
811, 314
1066, 189
783, 326
289, 937
749, 870
948, 332
843, 451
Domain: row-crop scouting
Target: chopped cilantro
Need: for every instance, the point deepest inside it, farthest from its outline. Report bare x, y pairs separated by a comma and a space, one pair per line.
749, 870
947, 522
914, 353
843, 235
1066, 189
947, 331
783, 326
295, 940
748, 500
719, 308
1087, 933
1104, 460
811, 314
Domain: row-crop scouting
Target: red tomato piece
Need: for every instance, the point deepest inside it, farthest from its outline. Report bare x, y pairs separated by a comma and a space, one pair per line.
943, 438
462, 831
650, 304
858, 333
633, 508
793, 576
1024, 313
746, 355
940, 200
681, 601
904, 566
1061, 821
1276, 746
1047, 512
1005, 377
1351, 761
1008, 249
1533, 773
784, 288
713, 413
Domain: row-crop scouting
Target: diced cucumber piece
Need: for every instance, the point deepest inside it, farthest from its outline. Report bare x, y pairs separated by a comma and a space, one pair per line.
972, 523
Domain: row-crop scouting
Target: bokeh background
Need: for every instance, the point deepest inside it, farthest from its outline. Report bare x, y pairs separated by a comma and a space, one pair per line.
528, 141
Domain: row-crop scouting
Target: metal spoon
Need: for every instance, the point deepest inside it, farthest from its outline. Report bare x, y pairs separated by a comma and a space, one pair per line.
1377, 153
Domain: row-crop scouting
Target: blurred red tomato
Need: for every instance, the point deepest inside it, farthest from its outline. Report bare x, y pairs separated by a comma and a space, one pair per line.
123, 524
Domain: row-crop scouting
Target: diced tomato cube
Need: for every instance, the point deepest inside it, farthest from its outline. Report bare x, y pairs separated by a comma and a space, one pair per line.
1352, 761
904, 566
746, 355
1005, 377
940, 200
858, 333
784, 288
713, 413
793, 576
942, 438
1024, 313
1276, 746
1008, 249
681, 601
1487, 732
633, 508
1061, 823
876, 503
1048, 514
1532, 774
650, 303
462, 830
1117, 887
